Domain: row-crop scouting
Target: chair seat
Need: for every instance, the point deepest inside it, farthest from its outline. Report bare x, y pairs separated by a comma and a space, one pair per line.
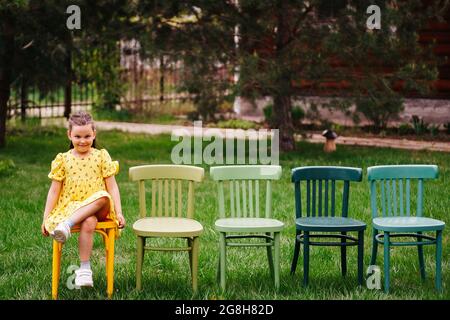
167, 227
329, 224
249, 225
400, 224
107, 224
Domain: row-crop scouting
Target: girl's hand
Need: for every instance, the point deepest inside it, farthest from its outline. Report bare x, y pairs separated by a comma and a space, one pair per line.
121, 219
43, 230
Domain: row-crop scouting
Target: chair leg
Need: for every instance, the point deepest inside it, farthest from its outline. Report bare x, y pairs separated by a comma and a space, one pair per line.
296, 254
277, 260
360, 257
373, 260
421, 260
56, 268
223, 262
194, 262
343, 255
139, 262
110, 263
439, 261
306, 258
269, 255
386, 261
218, 270
190, 245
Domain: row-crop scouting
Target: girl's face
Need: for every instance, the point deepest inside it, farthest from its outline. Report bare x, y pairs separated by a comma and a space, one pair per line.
82, 137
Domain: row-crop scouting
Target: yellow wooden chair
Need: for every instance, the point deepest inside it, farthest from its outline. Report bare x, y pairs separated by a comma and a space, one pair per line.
109, 231
174, 221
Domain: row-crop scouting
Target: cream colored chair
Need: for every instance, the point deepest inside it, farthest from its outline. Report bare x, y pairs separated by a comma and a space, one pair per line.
170, 215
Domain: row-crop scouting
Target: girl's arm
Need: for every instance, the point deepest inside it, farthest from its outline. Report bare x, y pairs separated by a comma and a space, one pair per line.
113, 190
52, 198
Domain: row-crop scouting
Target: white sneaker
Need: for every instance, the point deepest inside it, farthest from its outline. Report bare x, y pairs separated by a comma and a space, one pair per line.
83, 278
61, 232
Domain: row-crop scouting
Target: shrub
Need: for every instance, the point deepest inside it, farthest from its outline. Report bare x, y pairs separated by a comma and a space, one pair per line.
434, 129
267, 110
336, 127
237, 124
379, 109
31, 130
193, 115
6, 166
226, 107
112, 115
447, 127
420, 127
297, 114
404, 129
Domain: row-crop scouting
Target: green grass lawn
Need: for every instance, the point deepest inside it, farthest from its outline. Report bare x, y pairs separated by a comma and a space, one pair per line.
25, 256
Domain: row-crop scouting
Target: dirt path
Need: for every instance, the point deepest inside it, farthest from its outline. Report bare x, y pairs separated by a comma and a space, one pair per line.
314, 138
387, 143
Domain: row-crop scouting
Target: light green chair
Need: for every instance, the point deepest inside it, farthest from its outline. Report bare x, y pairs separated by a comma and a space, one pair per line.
241, 215
170, 216
396, 219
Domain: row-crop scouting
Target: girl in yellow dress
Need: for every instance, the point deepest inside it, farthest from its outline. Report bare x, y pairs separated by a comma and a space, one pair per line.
83, 191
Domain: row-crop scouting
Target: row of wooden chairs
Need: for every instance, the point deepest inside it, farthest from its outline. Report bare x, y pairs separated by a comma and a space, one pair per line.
243, 216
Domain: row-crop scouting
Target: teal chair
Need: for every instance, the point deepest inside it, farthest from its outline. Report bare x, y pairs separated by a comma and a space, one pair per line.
397, 220
321, 217
240, 216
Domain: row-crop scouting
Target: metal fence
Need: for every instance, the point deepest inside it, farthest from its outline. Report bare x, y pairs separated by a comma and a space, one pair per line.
151, 85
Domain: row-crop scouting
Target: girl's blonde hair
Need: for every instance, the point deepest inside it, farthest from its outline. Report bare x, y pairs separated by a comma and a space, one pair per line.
81, 118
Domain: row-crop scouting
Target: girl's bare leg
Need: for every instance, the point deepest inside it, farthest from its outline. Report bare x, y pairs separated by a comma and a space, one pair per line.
95, 207
86, 238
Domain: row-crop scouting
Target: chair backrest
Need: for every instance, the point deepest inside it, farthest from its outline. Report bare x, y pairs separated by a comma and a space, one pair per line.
393, 202
245, 180
167, 188
322, 180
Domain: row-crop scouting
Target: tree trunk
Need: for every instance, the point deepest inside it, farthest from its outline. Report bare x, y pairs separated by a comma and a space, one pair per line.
162, 71
23, 99
4, 97
68, 87
282, 104
283, 121
6, 60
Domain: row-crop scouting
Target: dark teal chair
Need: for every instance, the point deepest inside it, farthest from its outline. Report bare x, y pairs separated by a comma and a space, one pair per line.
396, 218
321, 218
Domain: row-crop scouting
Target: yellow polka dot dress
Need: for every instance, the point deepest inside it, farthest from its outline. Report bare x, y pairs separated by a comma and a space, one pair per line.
83, 181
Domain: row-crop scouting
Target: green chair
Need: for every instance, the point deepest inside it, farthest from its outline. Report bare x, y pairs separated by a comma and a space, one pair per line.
321, 214
397, 220
240, 215
171, 216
